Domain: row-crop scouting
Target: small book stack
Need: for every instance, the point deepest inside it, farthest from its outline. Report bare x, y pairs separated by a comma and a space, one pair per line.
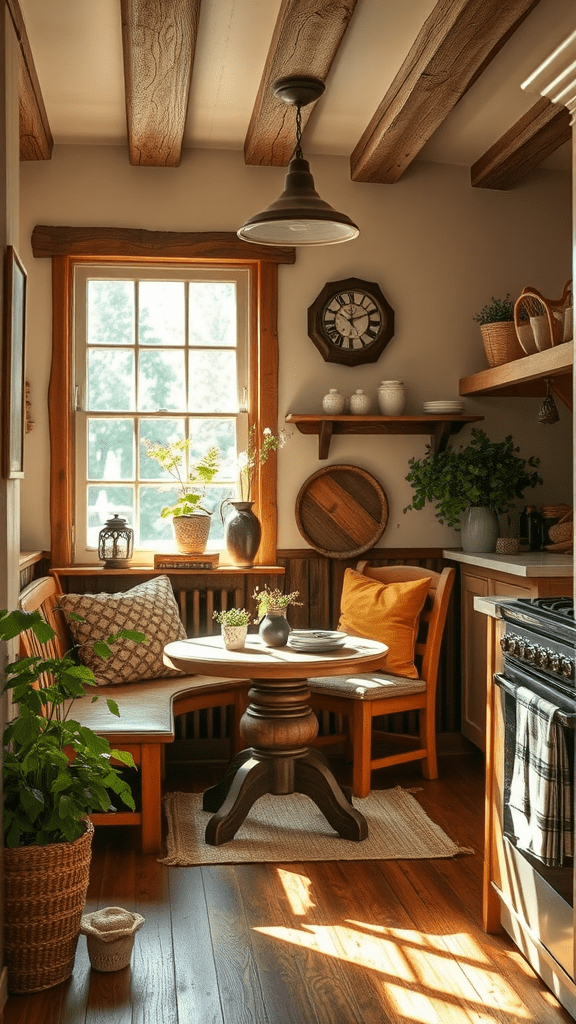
207, 560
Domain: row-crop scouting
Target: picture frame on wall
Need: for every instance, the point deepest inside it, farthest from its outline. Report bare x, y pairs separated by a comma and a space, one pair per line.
14, 395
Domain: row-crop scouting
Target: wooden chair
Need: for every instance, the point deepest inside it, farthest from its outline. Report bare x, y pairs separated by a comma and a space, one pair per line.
387, 695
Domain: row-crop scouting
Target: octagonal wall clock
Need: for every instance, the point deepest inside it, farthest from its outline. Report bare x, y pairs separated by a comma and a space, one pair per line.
351, 322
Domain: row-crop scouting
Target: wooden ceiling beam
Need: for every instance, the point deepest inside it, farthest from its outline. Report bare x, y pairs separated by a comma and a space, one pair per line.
159, 41
454, 46
535, 136
305, 41
36, 141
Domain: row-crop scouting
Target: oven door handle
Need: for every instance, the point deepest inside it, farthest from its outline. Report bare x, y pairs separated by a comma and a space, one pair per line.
541, 690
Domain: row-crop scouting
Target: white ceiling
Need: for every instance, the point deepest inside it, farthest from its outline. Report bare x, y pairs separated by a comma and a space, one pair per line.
77, 49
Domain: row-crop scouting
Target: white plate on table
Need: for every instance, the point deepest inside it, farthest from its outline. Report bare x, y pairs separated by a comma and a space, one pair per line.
316, 640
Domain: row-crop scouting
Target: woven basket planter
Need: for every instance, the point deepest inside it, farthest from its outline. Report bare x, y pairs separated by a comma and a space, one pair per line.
191, 533
501, 343
44, 895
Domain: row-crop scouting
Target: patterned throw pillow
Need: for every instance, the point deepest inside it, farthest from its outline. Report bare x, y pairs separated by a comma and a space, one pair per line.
149, 608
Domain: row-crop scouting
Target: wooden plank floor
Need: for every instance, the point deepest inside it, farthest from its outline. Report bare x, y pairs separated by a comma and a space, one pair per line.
366, 942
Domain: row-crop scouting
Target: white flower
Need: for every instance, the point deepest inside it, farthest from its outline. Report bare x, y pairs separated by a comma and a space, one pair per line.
266, 430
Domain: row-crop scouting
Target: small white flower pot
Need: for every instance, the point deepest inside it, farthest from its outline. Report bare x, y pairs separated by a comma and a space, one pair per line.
234, 637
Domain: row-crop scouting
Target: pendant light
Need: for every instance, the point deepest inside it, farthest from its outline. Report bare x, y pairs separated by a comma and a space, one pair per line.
299, 216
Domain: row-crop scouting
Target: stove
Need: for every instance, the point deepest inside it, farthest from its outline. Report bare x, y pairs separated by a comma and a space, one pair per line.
537, 894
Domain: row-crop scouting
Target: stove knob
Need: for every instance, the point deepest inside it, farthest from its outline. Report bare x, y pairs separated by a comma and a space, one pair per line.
567, 667
509, 643
530, 652
542, 657
555, 661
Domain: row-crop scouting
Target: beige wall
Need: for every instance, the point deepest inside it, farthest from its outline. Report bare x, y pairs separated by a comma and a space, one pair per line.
438, 249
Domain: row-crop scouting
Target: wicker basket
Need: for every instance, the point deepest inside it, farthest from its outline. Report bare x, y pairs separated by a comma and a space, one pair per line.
191, 533
542, 323
501, 344
44, 894
564, 530
110, 937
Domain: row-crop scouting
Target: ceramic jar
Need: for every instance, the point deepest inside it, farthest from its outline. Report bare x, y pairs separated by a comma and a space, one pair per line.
333, 402
359, 403
274, 629
234, 637
391, 397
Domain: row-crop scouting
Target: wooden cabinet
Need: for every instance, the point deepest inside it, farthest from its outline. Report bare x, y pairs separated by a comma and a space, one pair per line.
483, 581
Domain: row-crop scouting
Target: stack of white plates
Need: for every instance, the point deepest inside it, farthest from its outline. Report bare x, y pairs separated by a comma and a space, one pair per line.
316, 640
445, 407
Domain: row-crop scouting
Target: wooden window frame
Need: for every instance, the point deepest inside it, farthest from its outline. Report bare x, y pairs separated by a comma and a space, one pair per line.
67, 247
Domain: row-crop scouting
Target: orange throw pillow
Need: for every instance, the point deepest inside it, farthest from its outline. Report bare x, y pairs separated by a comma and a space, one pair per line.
388, 612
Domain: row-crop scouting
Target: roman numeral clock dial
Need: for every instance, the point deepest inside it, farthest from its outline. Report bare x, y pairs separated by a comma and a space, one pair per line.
351, 322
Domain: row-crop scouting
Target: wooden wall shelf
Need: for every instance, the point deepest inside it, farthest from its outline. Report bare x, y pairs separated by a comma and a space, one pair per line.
325, 426
527, 377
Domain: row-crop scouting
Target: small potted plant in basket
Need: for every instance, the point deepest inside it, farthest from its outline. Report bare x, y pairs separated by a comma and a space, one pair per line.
234, 626
56, 772
272, 604
472, 485
496, 320
190, 518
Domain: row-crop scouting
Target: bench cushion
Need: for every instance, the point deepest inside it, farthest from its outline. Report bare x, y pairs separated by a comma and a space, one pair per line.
149, 608
146, 709
367, 686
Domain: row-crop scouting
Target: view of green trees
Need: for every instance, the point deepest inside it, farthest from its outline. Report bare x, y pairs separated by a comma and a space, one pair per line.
136, 374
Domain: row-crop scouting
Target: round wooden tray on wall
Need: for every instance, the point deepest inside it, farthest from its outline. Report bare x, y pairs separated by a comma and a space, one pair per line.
341, 511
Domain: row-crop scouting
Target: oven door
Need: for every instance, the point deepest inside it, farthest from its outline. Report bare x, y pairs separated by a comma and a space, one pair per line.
540, 897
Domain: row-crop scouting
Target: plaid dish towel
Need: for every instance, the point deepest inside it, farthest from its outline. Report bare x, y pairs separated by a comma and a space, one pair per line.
541, 788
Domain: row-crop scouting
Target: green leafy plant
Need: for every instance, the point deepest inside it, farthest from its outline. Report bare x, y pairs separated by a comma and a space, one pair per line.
267, 600
232, 617
496, 311
56, 771
192, 481
486, 473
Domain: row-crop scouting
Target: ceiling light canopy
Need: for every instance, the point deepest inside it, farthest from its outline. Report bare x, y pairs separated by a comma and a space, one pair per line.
299, 216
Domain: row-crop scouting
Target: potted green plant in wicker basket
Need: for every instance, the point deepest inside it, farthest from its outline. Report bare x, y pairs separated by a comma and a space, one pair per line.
496, 320
190, 518
472, 485
56, 772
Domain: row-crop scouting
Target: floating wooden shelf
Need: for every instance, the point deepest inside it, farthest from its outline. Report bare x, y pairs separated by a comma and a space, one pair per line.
438, 427
527, 377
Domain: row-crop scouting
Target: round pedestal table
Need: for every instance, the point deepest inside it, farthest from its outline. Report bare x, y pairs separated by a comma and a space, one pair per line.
277, 726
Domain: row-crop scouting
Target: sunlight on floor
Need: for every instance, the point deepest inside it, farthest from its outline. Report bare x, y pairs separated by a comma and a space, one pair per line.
419, 976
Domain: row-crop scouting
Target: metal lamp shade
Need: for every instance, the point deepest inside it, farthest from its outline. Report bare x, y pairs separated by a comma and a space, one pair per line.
115, 543
299, 216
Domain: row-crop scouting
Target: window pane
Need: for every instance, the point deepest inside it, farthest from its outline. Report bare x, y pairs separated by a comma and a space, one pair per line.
161, 313
103, 502
212, 316
110, 313
205, 433
161, 383
110, 449
158, 431
155, 532
213, 385
213, 500
111, 380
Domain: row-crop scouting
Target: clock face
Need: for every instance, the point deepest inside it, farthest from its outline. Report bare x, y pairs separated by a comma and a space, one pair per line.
352, 319
351, 322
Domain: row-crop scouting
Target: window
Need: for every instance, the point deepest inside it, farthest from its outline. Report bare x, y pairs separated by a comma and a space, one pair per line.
69, 247
161, 355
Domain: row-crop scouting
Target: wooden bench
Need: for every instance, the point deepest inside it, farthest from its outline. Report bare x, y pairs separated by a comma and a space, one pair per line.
147, 713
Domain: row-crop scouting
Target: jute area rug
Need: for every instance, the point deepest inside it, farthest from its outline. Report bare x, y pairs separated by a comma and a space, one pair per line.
291, 828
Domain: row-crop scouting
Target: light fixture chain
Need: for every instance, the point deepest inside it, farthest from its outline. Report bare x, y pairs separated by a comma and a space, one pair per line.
299, 154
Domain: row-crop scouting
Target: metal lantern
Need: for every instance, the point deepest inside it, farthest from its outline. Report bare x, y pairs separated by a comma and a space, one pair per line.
115, 543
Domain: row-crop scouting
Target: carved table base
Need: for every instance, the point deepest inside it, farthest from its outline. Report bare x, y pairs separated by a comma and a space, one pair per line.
278, 725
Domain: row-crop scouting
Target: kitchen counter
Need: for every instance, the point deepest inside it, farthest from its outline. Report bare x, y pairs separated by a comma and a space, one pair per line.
527, 564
